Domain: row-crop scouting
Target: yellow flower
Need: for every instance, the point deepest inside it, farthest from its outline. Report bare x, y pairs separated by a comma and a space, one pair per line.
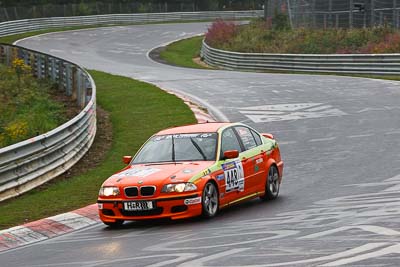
17, 130
20, 67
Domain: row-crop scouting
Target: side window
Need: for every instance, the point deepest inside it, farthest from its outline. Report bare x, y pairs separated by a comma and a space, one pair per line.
247, 137
256, 137
229, 141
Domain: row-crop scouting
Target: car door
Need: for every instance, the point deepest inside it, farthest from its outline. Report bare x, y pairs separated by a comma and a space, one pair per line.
253, 158
231, 178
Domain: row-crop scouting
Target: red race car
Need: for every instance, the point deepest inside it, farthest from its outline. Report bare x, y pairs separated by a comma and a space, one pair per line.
190, 171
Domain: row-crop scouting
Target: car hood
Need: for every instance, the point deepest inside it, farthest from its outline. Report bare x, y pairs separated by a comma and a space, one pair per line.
157, 174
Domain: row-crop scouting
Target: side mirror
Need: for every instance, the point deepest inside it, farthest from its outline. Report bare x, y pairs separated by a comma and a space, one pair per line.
268, 135
126, 159
231, 154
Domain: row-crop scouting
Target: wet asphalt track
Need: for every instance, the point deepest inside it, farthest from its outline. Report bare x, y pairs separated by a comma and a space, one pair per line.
339, 137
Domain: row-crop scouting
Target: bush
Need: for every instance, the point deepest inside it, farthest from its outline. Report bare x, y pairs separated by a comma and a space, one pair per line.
220, 32
274, 36
26, 108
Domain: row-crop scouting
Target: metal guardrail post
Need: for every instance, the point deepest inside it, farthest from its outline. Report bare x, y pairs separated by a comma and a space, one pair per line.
74, 82
38, 66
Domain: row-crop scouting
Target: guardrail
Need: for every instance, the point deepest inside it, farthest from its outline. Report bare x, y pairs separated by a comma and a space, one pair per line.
30, 163
375, 64
20, 26
33, 162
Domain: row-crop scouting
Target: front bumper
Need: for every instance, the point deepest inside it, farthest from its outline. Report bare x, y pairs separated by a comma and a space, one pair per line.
176, 207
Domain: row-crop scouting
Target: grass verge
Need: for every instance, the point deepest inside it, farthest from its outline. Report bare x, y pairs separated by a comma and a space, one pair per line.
137, 110
181, 53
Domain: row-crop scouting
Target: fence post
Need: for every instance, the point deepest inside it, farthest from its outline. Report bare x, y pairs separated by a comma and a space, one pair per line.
372, 13
351, 14
397, 19
330, 13
365, 20
266, 9
314, 19
289, 10
16, 13
394, 13
337, 21
6, 13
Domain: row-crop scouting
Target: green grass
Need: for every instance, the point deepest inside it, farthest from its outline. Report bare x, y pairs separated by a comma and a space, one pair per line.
137, 110
181, 53
27, 108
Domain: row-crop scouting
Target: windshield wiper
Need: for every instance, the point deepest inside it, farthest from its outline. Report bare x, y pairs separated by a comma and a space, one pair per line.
161, 163
198, 148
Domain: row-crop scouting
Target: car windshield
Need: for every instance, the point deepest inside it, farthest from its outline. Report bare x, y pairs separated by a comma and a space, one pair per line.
178, 147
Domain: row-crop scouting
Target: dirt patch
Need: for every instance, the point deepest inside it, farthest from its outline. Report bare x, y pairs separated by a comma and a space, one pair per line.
97, 152
198, 61
71, 108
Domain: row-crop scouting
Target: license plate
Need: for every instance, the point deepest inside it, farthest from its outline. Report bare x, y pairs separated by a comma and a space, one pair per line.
138, 205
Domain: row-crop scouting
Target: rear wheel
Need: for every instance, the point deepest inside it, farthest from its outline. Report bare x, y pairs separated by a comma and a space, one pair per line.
116, 224
210, 201
272, 185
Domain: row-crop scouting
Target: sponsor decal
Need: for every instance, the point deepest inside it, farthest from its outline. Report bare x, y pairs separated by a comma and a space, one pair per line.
206, 172
187, 171
139, 172
258, 161
100, 206
234, 176
220, 177
256, 168
192, 201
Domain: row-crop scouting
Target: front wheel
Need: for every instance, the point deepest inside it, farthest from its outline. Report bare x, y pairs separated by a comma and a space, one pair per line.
272, 185
210, 201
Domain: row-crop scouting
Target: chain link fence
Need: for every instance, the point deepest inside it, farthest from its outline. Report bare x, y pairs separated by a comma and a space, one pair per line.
337, 13
129, 7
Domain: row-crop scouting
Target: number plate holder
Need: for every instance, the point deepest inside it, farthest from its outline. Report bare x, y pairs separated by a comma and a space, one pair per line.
139, 205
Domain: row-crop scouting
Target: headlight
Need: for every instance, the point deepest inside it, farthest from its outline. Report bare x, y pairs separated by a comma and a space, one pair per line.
182, 187
108, 191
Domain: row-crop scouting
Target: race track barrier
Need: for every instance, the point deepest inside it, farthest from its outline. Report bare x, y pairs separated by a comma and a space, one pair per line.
371, 64
30, 163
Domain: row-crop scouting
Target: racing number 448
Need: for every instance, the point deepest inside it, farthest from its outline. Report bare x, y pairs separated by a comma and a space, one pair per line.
234, 176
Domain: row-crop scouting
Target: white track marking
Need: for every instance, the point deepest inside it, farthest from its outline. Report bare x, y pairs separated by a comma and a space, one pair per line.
395, 249
284, 112
368, 228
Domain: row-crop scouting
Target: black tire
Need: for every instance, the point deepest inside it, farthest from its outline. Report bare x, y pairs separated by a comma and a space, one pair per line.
272, 184
116, 224
209, 200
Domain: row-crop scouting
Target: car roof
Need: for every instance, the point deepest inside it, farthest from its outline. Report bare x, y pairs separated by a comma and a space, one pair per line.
208, 127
